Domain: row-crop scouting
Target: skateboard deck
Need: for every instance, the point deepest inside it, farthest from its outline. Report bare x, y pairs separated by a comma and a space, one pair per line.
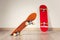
43, 18
29, 19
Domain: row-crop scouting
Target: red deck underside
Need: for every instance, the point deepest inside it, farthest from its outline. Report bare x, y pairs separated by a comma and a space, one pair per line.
43, 18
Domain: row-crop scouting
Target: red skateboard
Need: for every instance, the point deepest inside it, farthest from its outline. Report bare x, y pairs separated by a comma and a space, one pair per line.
30, 18
43, 18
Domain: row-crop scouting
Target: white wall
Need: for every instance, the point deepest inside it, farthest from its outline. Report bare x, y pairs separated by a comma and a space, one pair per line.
14, 12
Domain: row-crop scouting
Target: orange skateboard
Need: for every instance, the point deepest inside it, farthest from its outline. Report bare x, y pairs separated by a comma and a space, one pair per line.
43, 18
29, 20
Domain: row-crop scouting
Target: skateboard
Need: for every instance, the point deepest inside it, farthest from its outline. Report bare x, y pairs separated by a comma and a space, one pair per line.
29, 20
43, 18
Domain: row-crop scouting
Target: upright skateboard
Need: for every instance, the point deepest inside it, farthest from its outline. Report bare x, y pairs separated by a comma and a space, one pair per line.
43, 18
29, 20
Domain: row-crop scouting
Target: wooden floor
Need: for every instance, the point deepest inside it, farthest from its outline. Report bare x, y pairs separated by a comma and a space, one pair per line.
30, 35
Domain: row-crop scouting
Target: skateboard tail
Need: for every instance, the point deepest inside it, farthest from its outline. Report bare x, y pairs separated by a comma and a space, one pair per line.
43, 28
19, 28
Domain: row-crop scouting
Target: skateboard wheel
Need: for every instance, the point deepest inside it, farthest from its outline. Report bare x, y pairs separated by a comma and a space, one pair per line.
30, 22
18, 33
27, 23
14, 34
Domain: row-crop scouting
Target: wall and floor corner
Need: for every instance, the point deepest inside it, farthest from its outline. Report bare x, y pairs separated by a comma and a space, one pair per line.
13, 12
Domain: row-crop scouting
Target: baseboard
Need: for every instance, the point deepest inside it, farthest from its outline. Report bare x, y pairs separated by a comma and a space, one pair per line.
56, 29
34, 29
7, 28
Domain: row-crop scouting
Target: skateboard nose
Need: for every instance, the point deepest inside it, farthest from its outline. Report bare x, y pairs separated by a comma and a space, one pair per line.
43, 6
31, 17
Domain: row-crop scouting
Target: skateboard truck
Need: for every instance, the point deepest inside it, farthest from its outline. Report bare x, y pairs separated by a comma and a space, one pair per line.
29, 23
44, 23
43, 9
